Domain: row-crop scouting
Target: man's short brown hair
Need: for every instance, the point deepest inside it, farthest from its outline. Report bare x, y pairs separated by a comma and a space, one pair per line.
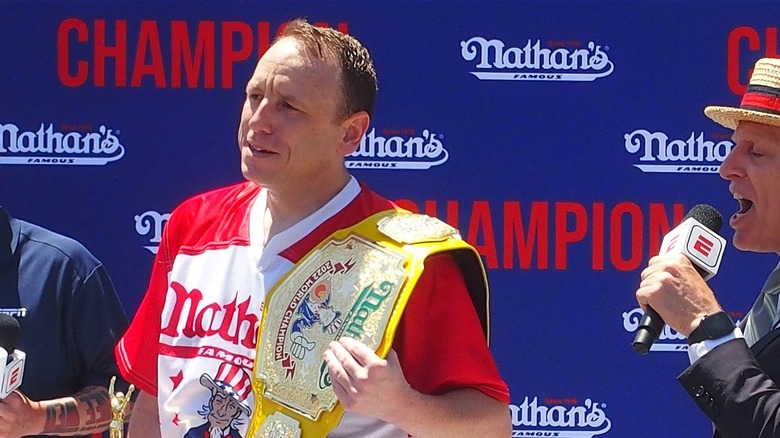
358, 76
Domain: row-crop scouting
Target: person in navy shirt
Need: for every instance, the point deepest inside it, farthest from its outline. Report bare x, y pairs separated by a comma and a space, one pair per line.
70, 319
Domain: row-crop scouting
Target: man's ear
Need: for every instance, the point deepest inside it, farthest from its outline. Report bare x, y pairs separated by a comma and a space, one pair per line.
356, 126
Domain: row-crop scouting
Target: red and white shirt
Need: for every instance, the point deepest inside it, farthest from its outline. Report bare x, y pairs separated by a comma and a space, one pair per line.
200, 316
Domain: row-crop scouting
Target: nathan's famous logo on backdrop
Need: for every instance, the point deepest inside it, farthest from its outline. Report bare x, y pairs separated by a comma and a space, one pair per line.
150, 224
556, 61
565, 417
399, 149
61, 145
669, 339
752, 44
175, 54
658, 153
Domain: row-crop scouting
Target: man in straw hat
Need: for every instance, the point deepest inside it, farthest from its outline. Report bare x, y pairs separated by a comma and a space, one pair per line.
734, 372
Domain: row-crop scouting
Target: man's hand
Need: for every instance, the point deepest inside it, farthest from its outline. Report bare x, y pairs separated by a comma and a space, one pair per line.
365, 383
19, 416
673, 288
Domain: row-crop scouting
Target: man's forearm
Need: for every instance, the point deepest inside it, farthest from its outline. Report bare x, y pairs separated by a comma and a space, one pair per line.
87, 411
146, 420
460, 413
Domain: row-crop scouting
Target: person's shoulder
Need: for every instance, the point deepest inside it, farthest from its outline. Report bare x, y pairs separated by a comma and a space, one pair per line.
373, 201
214, 216
213, 204
42, 242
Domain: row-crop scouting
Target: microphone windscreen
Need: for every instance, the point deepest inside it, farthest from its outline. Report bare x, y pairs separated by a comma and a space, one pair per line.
9, 333
707, 215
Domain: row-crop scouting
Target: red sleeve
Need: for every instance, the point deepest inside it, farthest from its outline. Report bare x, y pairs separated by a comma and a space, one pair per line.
138, 349
440, 342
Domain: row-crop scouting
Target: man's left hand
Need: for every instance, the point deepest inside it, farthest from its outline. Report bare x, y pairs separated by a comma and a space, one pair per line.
365, 383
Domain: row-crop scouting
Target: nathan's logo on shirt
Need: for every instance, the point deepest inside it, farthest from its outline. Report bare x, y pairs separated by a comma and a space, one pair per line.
399, 149
151, 223
65, 145
558, 61
660, 154
668, 340
559, 418
193, 317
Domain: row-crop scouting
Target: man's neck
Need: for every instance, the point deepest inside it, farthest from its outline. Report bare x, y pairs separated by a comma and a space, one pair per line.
283, 210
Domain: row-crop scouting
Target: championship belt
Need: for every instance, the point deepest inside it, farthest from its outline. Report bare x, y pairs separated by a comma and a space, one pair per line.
355, 283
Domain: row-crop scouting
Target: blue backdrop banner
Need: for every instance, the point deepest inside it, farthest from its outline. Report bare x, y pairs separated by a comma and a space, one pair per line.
562, 138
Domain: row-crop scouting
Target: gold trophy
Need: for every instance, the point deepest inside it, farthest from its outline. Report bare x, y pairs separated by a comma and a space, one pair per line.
118, 405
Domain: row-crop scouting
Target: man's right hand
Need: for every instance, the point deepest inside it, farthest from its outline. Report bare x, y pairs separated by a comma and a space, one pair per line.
673, 288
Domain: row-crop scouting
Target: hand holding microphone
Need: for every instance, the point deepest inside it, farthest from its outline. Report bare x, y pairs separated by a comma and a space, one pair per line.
11, 359
673, 288
16, 418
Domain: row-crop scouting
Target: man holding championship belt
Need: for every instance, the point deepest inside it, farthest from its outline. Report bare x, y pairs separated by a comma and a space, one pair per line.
352, 317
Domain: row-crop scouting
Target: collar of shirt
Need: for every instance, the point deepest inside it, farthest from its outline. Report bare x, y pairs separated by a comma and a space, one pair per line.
278, 243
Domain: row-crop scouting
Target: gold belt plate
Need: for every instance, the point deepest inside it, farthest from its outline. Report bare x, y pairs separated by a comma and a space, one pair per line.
344, 288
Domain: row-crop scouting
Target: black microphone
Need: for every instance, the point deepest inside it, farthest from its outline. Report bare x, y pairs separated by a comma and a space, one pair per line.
9, 332
696, 238
11, 359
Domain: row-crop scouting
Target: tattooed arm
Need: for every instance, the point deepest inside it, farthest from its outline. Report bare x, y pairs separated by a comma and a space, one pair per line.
87, 411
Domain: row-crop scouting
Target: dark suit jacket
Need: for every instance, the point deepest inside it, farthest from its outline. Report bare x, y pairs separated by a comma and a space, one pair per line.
736, 387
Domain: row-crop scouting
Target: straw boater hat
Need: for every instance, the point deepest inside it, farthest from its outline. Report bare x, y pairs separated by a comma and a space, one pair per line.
761, 102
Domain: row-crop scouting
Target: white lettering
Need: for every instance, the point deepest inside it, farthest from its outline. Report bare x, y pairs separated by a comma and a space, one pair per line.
92, 148
588, 415
147, 220
412, 152
494, 54
656, 146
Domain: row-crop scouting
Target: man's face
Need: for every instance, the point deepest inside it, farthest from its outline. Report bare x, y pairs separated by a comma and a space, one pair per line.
290, 136
223, 410
753, 169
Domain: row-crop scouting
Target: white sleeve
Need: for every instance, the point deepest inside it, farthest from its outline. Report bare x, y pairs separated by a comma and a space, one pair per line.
699, 349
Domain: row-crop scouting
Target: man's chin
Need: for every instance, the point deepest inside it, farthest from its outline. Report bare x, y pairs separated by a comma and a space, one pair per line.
742, 243
745, 243
251, 175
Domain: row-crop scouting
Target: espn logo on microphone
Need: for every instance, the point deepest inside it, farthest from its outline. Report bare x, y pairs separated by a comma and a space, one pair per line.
13, 371
14, 377
701, 245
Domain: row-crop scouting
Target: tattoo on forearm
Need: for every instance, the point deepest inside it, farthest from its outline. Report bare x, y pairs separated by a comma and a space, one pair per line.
88, 410
96, 406
62, 416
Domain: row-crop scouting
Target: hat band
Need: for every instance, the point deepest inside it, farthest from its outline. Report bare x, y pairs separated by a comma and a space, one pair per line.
761, 98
